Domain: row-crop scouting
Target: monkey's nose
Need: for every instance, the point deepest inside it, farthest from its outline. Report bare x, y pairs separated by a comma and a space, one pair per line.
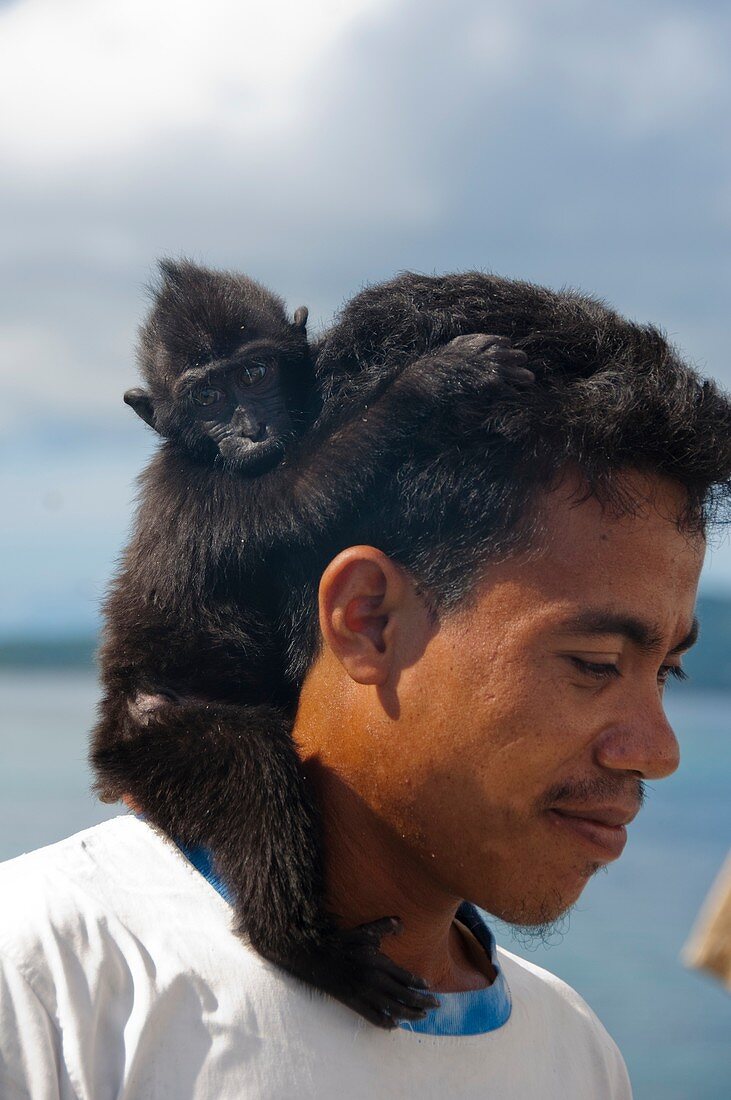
249, 426
256, 433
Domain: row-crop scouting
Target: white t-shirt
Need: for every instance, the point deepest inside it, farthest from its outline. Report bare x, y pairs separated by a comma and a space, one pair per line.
120, 979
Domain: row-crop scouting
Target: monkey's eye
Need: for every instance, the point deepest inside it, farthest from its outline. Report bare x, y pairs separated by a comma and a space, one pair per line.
253, 374
207, 395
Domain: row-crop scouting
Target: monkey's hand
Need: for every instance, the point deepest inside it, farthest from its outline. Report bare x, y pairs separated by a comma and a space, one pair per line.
388, 410
348, 964
495, 353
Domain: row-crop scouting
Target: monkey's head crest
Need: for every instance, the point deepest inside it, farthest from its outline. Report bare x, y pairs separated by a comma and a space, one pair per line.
229, 375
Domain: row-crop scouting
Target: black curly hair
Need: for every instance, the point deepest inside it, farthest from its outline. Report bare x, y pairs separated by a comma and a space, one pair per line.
609, 395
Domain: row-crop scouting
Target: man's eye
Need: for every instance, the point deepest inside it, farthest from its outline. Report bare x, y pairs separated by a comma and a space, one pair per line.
602, 671
253, 374
207, 395
666, 671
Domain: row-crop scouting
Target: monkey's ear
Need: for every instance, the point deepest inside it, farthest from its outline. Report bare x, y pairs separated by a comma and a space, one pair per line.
171, 270
300, 318
141, 402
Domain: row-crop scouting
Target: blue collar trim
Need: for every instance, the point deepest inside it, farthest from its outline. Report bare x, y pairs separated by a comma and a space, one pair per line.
475, 1011
471, 1013
202, 861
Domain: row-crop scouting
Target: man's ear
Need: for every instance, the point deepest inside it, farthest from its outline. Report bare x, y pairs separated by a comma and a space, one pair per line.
141, 402
364, 605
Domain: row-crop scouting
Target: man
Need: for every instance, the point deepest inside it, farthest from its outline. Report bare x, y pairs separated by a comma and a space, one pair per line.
483, 658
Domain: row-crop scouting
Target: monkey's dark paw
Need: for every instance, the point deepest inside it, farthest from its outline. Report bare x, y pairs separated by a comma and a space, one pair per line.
362, 977
495, 353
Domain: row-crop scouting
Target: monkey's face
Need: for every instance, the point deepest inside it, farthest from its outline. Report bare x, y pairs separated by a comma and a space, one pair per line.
234, 410
230, 377
238, 410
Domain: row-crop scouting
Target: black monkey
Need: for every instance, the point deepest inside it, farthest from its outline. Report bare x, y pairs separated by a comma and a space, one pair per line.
227, 374
195, 721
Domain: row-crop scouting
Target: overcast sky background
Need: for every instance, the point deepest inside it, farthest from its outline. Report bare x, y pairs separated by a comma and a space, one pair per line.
318, 147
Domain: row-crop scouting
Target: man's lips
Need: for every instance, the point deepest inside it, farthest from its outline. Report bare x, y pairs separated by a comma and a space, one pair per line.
603, 827
604, 815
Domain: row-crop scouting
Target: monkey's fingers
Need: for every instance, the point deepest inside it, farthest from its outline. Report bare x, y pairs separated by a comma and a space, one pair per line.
413, 1002
380, 1017
368, 981
412, 989
507, 357
477, 342
369, 935
516, 375
373, 931
497, 354
388, 993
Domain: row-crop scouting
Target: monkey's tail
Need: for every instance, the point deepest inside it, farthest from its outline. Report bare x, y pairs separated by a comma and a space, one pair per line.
226, 777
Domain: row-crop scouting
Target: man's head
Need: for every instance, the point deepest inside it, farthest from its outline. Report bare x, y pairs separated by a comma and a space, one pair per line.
493, 631
544, 693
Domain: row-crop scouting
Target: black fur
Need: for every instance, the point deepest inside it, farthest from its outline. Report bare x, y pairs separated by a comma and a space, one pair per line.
609, 394
435, 453
195, 721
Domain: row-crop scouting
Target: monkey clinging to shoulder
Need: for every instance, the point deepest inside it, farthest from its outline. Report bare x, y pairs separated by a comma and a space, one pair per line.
194, 725
259, 467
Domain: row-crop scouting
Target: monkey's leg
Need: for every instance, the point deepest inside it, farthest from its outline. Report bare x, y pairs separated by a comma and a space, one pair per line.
228, 777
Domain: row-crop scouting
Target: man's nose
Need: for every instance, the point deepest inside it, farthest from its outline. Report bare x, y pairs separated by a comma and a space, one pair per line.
643, 741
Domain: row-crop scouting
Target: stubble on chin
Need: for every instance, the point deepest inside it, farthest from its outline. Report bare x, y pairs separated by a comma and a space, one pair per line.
543, 922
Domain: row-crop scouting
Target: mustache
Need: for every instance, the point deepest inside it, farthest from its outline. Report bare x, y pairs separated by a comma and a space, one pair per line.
600, 790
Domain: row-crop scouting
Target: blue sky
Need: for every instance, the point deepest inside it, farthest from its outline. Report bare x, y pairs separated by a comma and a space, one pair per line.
318, 147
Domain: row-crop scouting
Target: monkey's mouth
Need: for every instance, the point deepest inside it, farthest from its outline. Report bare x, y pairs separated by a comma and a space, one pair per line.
249, 456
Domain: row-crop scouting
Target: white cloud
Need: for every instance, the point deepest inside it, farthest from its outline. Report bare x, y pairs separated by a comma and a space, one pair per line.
635, 68
112, 87
317, 146
92, 79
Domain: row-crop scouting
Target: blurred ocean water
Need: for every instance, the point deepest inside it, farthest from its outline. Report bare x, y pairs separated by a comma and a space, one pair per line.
622, 945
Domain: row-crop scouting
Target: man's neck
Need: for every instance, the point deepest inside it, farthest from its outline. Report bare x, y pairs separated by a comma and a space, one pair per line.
370, 875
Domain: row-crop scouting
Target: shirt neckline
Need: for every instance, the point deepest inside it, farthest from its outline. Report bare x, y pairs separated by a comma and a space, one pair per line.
472, 1012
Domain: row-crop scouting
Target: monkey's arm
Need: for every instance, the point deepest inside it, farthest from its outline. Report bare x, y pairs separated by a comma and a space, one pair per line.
372, 421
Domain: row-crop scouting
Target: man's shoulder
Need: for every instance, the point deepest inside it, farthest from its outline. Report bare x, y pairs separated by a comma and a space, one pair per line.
44, 883
65, 861
539, 982
556, 1009
101, 833
77, 892
544, 989
27, 875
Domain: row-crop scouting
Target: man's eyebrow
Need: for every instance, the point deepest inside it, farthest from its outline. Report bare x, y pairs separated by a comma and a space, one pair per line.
646, 636
690, 638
